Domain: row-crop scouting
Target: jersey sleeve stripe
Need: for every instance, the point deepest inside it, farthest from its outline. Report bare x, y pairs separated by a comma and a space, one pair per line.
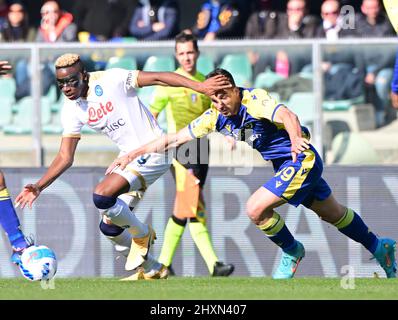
191, 132
72, 135
276, 108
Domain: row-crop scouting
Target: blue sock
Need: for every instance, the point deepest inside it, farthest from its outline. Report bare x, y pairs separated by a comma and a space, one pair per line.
278, 233
353, 227
10, 222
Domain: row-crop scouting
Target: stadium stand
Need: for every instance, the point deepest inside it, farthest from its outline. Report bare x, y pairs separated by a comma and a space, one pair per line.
240, 68
125, 62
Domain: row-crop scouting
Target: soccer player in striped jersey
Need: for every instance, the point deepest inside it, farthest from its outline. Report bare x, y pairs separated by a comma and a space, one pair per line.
272, 129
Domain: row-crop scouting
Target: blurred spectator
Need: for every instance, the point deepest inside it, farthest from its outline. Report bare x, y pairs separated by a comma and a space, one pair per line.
296, 23
104, 19
332, 27
3, 10
155, 20
372, 22
262, 23
56, 25
219, 20
379, 71
16, 27
344, 71
394, 85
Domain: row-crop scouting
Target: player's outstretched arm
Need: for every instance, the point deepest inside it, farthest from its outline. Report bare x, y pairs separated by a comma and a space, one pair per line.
159, 145
293, 128
208, 87
62, 161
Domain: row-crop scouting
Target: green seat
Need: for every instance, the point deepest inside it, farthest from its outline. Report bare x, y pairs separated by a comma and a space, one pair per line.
128, 63
239, 66
6, 111
159, 63
338, 105
303, 105
267, 79
22, 123
52, 94
55, 126
205, 64
7, 88
145, 94
352, 148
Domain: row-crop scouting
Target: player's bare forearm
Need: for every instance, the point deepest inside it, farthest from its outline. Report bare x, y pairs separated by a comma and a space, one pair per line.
163, 144
208, 87
292, 125
159, 145
62, 161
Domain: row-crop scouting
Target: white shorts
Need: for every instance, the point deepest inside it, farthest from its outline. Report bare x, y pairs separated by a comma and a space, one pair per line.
145, 170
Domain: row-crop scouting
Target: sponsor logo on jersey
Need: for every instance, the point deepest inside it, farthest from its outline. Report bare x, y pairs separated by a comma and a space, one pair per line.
114, 126
96, 114
194, 97
98, 90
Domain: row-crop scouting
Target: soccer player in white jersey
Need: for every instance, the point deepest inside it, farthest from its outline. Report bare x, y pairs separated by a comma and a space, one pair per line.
107, 102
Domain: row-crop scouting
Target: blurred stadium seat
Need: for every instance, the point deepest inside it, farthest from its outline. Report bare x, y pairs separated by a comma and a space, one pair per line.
303, 104
22, 122
128, 63
6, 111
159, 63
205, 64
240, 68
7, 88
267, 79
352, 148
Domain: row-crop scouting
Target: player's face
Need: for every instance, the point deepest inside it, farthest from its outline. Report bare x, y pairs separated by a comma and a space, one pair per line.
70, 82
227, 101
187, 56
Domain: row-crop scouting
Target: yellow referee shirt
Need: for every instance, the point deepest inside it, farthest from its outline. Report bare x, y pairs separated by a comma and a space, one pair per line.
182, 105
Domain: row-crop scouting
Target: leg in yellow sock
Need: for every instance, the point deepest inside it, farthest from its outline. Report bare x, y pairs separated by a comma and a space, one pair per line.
172, 236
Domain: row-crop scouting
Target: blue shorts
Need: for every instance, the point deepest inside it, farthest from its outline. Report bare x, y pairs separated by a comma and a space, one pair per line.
300, 182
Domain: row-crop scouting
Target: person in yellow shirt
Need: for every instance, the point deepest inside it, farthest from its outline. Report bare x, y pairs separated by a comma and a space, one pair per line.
182, 105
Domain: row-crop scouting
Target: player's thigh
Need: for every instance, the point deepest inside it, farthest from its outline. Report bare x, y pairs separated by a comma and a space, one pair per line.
261, 203
329, 209
112, 185
143, 171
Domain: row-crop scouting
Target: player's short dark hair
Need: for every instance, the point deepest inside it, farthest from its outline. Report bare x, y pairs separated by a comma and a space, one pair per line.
222, 72
183, 37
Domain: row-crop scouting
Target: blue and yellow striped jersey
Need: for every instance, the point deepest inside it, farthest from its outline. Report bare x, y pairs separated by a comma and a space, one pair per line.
254, 124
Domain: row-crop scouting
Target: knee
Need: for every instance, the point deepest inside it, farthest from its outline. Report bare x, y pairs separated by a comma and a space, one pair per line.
110, 230
103, 202
256, 213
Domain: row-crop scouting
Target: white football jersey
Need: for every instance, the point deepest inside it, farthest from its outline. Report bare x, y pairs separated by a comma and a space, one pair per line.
113, 108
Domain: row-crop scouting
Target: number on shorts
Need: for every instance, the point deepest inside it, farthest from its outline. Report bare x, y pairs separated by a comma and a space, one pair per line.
286, 173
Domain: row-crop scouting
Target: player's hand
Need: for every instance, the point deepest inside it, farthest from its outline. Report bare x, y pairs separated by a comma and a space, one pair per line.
394, 100
28, 195
4, 67
298, 146
120, 163
210, 86
231, 142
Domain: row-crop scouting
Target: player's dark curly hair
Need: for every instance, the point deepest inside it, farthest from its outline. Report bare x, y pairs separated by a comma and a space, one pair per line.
222, 72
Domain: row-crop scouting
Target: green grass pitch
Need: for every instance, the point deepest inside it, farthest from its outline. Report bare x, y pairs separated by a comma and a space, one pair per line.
199, 288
